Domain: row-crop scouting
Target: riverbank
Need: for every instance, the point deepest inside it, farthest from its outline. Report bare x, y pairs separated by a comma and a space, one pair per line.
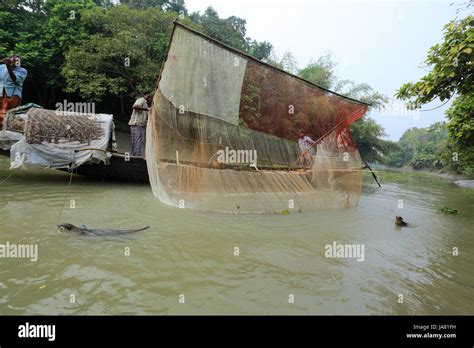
458, 179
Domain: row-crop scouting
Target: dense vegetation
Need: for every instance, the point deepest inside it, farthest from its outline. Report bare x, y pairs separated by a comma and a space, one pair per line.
96, 51
451, 75
422, 148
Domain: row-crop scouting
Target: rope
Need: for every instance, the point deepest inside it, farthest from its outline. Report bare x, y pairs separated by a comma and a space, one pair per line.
67, 194
437, 106
6, 178
371, 171
72, 166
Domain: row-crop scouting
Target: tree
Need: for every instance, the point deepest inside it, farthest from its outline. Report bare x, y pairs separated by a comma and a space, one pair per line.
320, 72
260, 50
452, 70
289, 63
368, 136
230, 31
175, 6
461, 131
168, 5
34, 6
422, 148
121, 59
41, 32
451, 74
143, 4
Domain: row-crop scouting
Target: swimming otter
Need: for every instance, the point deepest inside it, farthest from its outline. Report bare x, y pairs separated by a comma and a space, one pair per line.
399, 221
97, 232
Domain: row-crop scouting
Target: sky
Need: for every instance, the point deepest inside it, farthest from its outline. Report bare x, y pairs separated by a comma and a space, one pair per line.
382, 43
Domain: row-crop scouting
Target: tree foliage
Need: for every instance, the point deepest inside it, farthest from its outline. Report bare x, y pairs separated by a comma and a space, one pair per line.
121, 58
231, 31
41, 32
461, 130
451, 72
77, 49
422, 148
368, 135
451, 66
320, 72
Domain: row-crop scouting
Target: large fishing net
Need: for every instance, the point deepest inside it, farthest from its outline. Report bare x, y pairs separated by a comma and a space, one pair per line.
223, 134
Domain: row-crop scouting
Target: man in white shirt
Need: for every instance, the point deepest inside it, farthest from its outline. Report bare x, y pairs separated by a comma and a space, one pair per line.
137, 124
306, 144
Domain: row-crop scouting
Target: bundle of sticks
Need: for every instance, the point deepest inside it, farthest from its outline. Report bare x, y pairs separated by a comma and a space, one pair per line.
14, 123
50, 126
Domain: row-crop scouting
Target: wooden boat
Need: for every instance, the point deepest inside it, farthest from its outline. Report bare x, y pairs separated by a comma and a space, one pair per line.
40, 133
119, 170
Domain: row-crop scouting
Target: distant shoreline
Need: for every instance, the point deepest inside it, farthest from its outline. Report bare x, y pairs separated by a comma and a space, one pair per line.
458, 179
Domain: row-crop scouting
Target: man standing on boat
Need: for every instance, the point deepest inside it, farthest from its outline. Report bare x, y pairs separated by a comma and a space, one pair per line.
138, 123
12, 76
306, 144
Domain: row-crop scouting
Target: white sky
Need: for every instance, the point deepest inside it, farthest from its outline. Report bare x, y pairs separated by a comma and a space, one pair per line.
381, 43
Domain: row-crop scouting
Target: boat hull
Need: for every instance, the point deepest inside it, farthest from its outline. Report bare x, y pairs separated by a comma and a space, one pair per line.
133, 170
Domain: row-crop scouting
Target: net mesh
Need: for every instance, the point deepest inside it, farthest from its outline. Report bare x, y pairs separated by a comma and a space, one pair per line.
223, 135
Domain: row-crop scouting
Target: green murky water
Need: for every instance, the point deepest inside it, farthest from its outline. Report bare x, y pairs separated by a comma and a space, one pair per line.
190, 253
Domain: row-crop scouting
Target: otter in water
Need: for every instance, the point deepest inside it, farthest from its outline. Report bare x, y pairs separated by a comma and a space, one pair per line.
399, 221
97, 232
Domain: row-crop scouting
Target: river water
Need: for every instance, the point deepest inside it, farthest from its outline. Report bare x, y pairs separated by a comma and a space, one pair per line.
193, 254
